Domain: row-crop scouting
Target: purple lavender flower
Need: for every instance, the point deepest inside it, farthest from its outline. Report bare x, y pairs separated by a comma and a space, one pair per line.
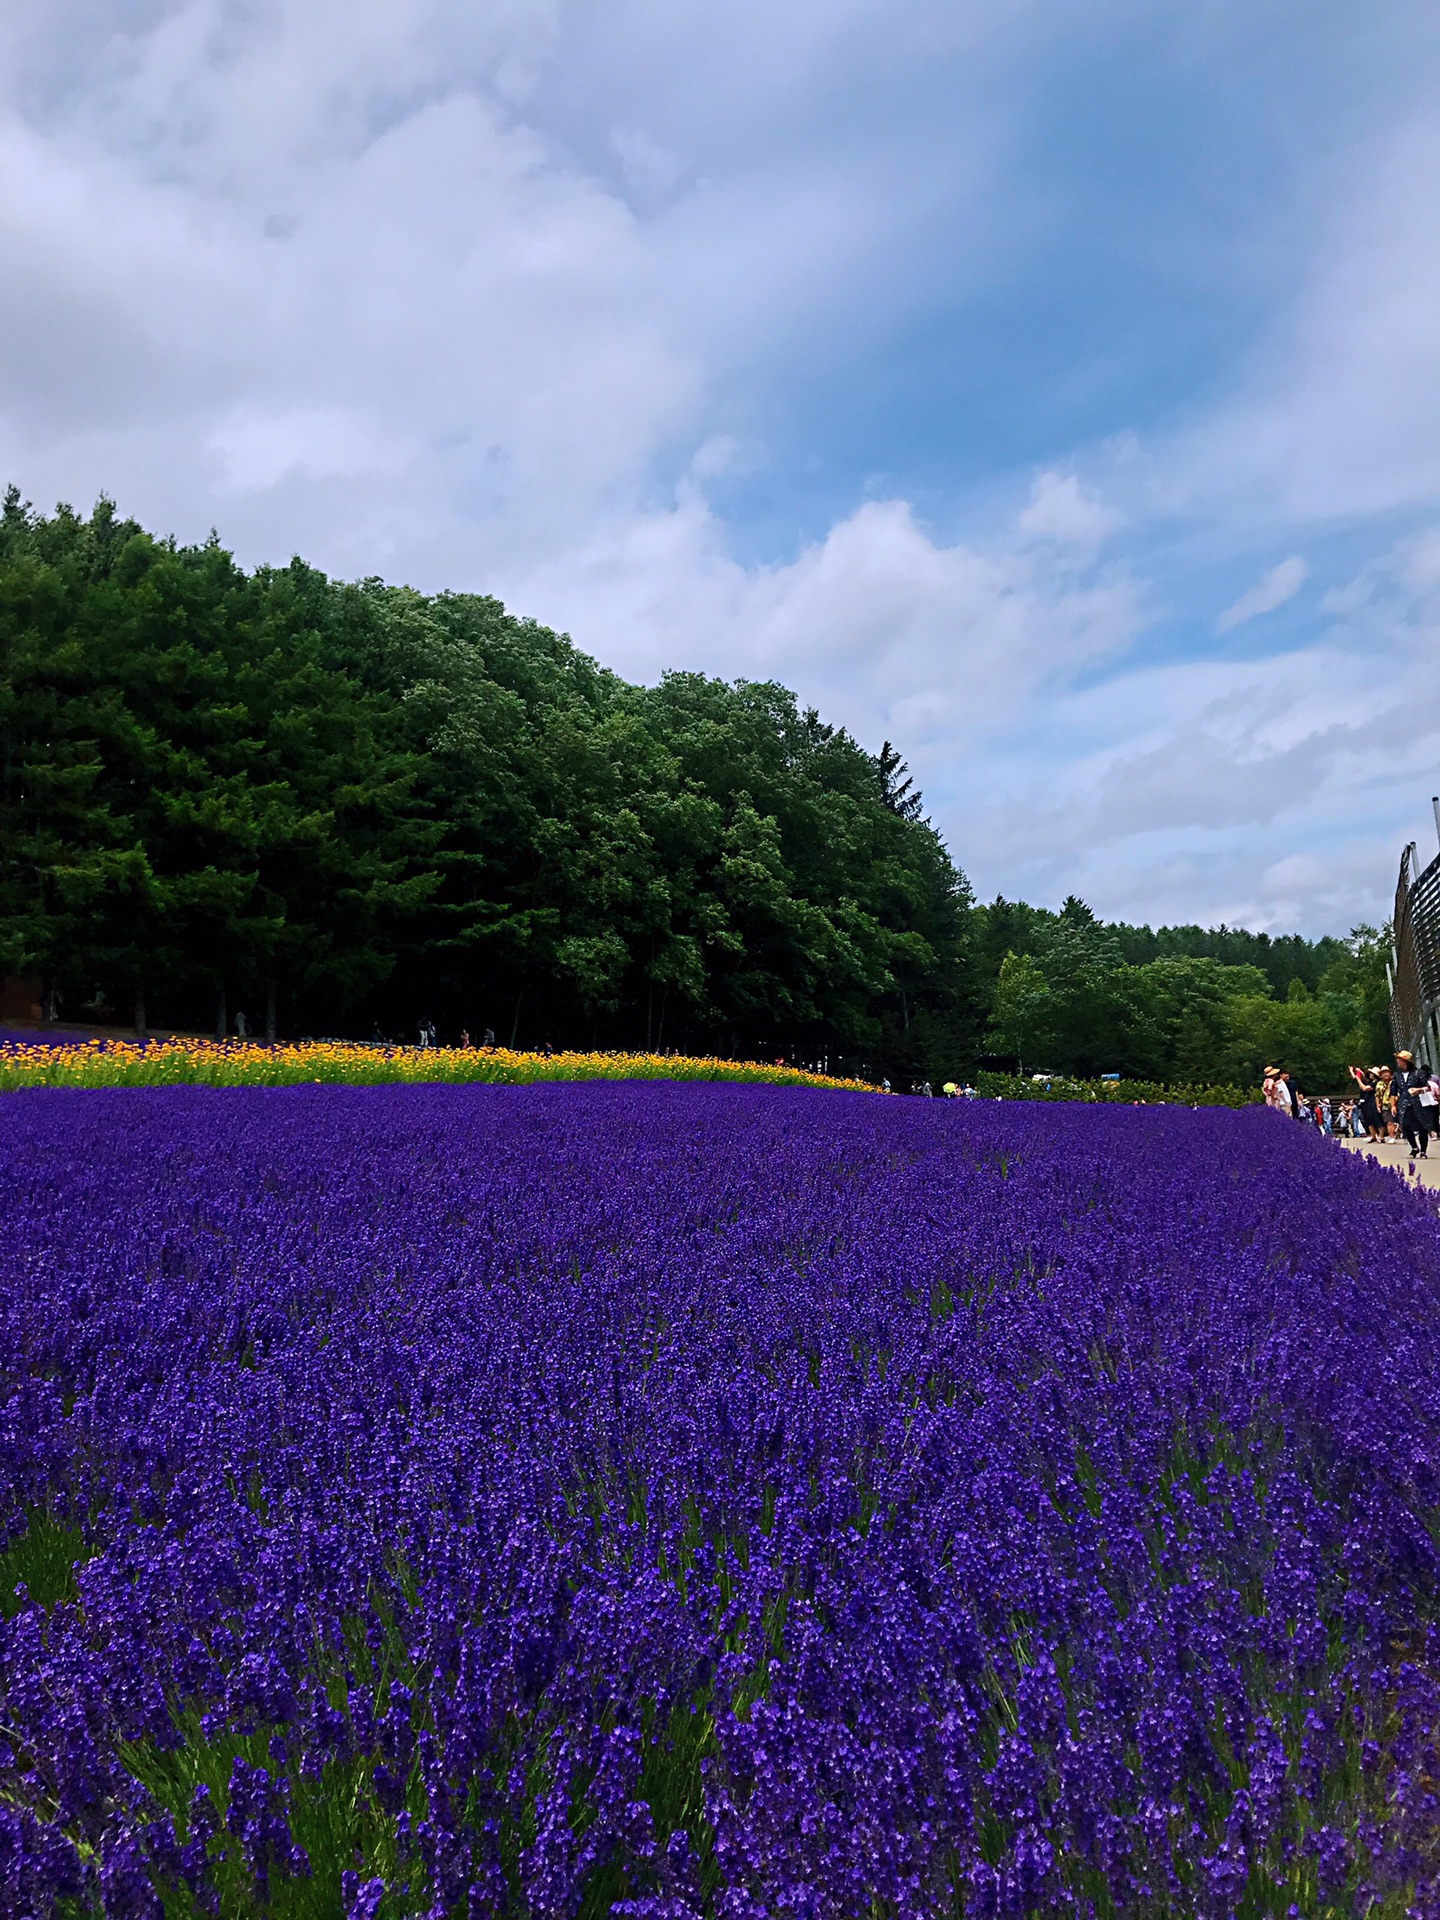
691, 1501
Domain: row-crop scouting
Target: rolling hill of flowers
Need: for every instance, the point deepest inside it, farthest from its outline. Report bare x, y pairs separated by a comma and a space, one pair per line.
701, 1502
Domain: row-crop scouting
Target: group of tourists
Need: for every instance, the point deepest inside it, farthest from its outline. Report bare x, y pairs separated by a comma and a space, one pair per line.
1403, 1100
1390, 1102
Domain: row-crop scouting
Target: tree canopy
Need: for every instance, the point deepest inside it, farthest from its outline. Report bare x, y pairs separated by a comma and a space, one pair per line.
376, 805
1070, 994
368, 806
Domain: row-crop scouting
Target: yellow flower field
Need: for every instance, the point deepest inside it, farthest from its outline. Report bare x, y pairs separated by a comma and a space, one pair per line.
243, 1063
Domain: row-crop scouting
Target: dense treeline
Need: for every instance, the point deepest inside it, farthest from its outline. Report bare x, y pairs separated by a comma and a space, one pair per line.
1068, 993
353, 805
360, 804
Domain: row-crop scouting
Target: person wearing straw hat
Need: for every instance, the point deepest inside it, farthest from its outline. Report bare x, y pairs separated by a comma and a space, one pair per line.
1385, 1100
1282, 1094
1411, 1084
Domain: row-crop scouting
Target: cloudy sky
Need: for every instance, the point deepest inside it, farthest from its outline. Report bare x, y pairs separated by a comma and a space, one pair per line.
1051, 386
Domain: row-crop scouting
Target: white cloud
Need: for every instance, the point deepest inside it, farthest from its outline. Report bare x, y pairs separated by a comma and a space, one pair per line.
652, 171
1417, 563
455, 294
1064, 511
1272, 590
1338, 410
1259, 791
309, 272
1276, 791
499, 350
257, 451
890, 627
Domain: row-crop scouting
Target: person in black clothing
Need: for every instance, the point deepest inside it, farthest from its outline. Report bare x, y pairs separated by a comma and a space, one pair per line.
1414, 1116
1366, 1079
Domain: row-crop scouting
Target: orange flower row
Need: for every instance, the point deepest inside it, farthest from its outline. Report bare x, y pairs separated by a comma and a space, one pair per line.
238, 1063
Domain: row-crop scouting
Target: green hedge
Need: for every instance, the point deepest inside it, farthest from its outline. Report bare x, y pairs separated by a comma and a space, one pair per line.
1012, 1086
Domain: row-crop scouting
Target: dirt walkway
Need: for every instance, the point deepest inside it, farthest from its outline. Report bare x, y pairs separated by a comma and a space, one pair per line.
1395, 1153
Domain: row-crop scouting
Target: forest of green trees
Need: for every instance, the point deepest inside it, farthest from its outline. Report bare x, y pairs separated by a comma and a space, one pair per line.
1068, 993
349, 806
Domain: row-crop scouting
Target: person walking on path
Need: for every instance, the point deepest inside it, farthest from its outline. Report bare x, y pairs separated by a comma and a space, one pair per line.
1280, 1091
1368, 1081
1385, 1101
1412, 1101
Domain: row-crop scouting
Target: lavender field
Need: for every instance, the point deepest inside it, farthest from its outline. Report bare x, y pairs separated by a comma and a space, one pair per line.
681, 1500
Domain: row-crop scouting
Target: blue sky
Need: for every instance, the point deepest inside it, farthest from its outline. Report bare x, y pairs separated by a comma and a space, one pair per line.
1051, 388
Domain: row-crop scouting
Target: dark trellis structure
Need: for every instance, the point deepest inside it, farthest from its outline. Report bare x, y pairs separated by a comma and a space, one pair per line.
1415, 981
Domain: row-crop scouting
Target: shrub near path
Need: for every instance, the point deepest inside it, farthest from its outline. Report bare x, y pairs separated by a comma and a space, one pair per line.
699, 1500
